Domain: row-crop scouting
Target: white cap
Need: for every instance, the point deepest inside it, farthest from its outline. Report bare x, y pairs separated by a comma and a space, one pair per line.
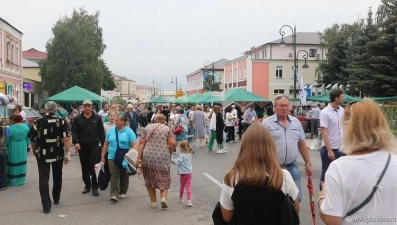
129, 106
233, 106
87, 102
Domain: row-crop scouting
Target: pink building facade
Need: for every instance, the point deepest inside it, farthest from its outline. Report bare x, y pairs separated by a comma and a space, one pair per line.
267, 70
10, 60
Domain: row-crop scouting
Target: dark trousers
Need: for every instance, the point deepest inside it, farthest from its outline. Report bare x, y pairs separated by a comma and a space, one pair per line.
89, 156
143, 121
245, 126
44, 177
325, 161
134, 129
240, 130
230, 133
315, 124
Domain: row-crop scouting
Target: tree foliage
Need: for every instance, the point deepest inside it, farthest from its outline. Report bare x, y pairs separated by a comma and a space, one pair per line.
364, 54
74, 55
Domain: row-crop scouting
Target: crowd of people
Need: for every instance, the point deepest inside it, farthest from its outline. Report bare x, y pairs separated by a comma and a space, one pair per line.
357, 154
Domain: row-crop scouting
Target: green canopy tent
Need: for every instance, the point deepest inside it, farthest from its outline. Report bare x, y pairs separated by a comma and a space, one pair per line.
76, 94
158, 99
325, 98
385, 99
188, 99
233, 95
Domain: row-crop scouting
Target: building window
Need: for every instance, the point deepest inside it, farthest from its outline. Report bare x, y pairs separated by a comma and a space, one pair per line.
279, 71
265, 53
291, 91
312, 52
242, 74
245, 72
278, 91
235, 74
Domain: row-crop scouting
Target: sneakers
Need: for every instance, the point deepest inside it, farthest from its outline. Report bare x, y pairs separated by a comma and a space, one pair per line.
181, 200
224, 150
164, 203
220, 151
153, 205
95, 192
122, 195
189, 203
113, 199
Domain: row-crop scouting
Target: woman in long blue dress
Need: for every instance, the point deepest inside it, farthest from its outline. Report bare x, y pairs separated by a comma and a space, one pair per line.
17, 142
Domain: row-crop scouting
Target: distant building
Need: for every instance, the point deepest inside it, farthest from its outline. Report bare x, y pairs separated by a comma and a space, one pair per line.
34, 55
267, 70
143, 92
10, 60
125, 86
208, 78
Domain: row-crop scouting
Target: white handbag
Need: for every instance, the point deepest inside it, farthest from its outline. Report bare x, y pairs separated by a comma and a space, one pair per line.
131, 156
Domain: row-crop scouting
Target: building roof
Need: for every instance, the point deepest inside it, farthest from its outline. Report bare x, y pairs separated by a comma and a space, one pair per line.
29, 64
309, 38
236, 60
143, 86
117, 77
302, 38
218, 65
5, 21
34, 54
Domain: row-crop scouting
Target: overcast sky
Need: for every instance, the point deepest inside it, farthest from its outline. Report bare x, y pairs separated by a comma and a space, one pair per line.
158, 39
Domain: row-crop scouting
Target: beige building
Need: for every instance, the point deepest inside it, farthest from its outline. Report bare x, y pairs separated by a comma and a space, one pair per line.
32, 85
125, 86
143, 92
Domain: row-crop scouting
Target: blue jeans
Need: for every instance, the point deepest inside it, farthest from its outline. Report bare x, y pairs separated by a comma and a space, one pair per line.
325, 161
224, 140
293, 169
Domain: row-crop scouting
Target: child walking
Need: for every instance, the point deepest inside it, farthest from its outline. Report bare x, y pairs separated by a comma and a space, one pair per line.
184, 162
190, 134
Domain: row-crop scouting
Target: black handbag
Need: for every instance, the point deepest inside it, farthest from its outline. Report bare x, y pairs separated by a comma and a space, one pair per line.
288, 213
104, 176
120, 152
217, 217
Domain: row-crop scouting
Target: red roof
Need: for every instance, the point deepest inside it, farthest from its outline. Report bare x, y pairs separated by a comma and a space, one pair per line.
34, 54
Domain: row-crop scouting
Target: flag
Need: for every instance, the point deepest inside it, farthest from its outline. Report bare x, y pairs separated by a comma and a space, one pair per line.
302, 92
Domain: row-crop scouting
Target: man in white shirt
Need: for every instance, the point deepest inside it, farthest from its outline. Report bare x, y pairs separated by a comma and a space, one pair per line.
235, 113
315, 120
331, 130
104, 111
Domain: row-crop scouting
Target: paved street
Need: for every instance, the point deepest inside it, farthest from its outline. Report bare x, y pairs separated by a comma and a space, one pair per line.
21, 205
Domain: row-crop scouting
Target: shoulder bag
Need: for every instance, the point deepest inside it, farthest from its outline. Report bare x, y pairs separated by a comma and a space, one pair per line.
288, 213
368, 199
178, 128
120, 152
150, 135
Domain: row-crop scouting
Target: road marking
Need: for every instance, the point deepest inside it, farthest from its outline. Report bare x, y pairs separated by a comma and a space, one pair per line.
213, 179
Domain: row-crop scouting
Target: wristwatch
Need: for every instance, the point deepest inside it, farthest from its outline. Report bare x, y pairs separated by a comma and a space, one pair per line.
308, 164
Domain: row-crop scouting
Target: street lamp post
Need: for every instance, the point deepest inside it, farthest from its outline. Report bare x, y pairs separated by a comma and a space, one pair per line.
282, 44
213, 72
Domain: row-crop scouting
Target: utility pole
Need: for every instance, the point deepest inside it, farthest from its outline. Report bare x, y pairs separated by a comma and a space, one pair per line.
213, 75
154, 90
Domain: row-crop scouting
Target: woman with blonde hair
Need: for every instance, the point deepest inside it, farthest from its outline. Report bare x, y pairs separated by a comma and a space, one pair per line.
362, 184
255, 187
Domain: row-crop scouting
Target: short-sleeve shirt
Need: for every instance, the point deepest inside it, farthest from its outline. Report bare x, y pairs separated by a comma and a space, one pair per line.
316, 113
227, 191
349, 181
332, 120
48, 133
286, 138
229, 123
251, 114
126, 136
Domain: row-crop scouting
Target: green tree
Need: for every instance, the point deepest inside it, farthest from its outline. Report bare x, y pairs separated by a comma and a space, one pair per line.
375, 71
74, 55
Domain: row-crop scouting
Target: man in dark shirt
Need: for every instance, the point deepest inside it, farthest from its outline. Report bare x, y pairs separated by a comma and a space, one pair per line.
49, 137
166, 112
87, 133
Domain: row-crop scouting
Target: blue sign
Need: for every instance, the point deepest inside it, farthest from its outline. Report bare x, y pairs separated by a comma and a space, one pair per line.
309, 92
